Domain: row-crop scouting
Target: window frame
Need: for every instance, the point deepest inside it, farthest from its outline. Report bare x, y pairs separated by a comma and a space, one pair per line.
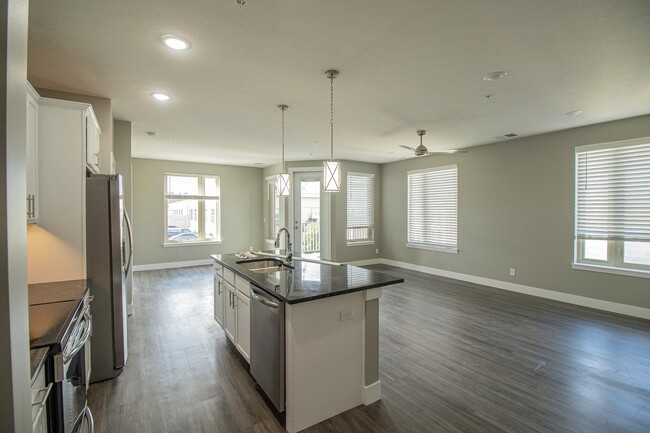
615, 262
430, 246
271, 201
200, 210
370, 240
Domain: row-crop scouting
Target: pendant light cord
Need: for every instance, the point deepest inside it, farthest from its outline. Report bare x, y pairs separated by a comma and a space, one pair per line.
283, 170
331, 118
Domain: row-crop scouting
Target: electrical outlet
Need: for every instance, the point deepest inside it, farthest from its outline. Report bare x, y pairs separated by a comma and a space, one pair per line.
347, 315
377, 251
512, 272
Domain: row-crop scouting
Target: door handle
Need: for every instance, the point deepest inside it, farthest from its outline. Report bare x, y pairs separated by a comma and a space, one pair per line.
264, 300
130, 232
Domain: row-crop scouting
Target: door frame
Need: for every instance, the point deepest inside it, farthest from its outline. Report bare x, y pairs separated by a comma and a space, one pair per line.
325, 212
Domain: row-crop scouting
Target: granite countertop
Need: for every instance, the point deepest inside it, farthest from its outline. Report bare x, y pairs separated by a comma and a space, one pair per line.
37, 358
309, 281
57, 291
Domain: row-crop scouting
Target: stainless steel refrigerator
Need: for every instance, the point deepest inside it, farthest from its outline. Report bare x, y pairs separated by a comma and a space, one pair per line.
109, 251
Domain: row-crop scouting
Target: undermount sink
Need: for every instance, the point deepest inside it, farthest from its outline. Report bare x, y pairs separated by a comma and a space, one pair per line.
264, 266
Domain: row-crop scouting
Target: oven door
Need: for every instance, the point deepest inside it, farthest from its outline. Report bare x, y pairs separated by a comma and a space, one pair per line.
73, 376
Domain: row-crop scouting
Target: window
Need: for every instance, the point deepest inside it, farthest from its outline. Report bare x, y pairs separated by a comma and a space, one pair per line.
192, 208
612, 219
433, 208
272, 209
361, 208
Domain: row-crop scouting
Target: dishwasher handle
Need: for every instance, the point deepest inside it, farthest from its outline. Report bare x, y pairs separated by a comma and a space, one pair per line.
264, 300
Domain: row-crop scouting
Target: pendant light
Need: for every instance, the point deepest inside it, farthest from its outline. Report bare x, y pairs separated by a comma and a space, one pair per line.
331, 168
282, 181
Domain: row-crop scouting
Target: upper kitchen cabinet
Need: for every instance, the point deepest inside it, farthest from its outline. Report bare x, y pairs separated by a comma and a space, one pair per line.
32, 155
92, 143
56, 246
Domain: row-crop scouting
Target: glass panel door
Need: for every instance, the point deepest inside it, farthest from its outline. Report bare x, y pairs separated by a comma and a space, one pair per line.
307, 215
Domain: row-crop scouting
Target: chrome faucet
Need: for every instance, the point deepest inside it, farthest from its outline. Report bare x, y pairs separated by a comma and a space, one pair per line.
289, 249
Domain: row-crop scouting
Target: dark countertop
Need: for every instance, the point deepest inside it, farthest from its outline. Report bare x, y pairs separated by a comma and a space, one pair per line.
37, 358
57, 291
51, 309
309, 281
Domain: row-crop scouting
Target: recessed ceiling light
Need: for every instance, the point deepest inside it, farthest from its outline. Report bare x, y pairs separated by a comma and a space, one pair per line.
161, 96
315, 143
574, 113
493, 76
176, 42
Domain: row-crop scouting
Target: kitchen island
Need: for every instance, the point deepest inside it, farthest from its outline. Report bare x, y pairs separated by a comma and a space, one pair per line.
329, 345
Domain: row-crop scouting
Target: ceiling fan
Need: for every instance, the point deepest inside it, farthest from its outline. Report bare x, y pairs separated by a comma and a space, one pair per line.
422, 151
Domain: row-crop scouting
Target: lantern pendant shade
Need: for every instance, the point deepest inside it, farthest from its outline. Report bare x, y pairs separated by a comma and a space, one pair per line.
282, 185
331, 176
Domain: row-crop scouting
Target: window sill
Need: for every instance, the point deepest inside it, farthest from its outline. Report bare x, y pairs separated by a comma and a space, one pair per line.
434, 248
190, 244
611, 270
359, 243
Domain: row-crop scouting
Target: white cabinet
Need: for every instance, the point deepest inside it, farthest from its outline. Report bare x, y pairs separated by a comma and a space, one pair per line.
219, 295
232, 309
230, 321
32, 155
243, 318
92, 143
56, 246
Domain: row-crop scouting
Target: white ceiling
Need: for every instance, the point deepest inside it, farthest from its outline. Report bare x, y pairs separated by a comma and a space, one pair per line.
405, 65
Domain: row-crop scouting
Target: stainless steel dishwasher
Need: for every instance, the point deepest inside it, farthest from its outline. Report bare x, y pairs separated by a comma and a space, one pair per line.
267, 345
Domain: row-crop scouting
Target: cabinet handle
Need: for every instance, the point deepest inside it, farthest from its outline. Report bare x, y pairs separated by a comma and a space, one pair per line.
29, 205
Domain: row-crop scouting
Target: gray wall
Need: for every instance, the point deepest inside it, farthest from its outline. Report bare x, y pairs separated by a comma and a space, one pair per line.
123, 166
516, 210
241, 210
340, 251
15, 408
103, 109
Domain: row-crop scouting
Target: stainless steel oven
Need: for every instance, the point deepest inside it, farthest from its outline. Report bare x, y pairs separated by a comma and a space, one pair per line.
71, 412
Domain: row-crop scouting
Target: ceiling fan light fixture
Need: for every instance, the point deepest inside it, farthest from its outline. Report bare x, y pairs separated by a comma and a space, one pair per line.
421, 150
331, 168
283, 180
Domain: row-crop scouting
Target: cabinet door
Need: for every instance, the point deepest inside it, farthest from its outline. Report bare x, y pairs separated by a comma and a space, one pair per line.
32, 159
92, 145
243, 325
219, 295
230, 323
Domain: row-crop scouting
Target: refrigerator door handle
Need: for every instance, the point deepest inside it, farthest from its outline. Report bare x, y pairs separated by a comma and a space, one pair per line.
127, 266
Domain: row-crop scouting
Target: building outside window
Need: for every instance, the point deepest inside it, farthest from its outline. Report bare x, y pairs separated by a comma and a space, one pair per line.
612, 212
192, 208
433, 209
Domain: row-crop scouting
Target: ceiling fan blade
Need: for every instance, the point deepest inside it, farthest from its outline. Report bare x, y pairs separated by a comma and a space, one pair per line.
446, 152
406, 147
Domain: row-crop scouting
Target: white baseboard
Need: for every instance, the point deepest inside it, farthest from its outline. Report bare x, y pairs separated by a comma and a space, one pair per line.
598, 304
170, 265
129, 309
365, 262
372, 393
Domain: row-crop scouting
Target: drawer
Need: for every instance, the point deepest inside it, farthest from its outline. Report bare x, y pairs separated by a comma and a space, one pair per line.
218, 269
229, 276
243, 285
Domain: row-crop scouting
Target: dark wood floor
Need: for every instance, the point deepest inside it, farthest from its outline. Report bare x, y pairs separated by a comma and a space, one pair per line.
454, 357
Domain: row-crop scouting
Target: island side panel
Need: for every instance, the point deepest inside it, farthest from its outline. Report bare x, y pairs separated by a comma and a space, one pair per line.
372, 389
324, 359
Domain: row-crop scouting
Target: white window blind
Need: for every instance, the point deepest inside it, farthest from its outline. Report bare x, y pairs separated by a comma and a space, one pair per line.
360, 208
433, 208
613, 191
